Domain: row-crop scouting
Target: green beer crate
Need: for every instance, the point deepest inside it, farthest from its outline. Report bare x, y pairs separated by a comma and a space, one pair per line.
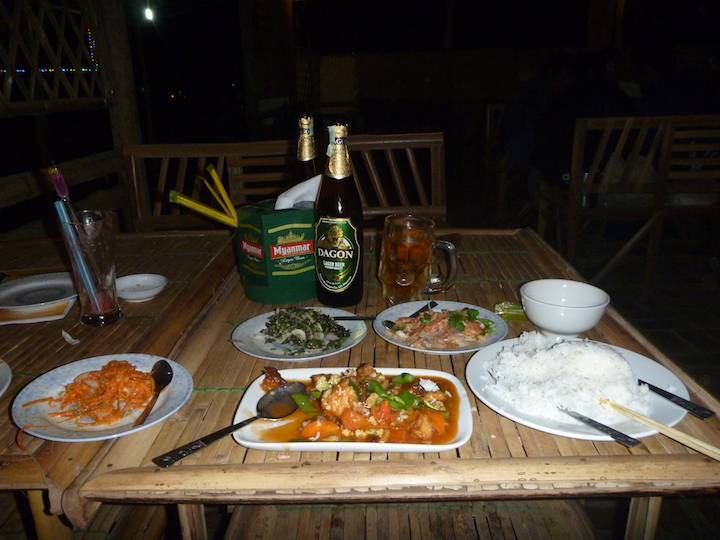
275, 253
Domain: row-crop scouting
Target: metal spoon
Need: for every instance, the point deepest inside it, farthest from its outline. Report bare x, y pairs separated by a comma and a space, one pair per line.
277, 403
162, 374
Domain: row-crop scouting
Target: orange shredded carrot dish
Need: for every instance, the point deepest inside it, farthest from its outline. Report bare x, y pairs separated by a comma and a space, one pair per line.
103, 396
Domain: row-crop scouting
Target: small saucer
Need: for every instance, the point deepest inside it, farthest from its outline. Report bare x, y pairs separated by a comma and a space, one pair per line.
140, 287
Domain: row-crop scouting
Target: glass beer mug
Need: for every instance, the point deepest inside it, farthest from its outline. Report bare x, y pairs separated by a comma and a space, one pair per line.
406, 259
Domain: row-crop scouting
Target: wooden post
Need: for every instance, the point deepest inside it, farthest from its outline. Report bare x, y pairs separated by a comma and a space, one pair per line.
114, 51
116, 63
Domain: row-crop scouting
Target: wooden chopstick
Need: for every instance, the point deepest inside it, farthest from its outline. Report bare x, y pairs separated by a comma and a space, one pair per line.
688, 440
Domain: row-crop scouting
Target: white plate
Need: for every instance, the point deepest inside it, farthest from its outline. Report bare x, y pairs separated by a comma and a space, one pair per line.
662, 410
5, 377
36, 293
247, 338
250, 435
140, 287
408, 308
52, 383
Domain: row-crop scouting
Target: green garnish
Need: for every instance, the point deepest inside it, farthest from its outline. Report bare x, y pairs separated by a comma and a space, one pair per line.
455, 320
305, 404
426, 318
403, 378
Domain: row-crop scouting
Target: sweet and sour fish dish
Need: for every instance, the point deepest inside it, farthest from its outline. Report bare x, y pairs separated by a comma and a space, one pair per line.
363, 405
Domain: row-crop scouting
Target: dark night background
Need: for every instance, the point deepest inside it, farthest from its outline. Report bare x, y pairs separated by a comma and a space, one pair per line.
397, 66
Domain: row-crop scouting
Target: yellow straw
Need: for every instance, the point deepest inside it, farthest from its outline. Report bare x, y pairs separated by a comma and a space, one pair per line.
217, 197
221, 190
187, 202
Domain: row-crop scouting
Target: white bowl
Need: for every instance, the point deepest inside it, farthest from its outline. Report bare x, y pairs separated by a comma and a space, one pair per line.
561, 307
140, 287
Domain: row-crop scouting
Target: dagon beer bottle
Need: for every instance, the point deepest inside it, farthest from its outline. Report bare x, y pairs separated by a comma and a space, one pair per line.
338, 227
306, 164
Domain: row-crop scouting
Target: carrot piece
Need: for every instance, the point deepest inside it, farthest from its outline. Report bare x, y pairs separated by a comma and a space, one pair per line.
103, 396
320, 428
351, 419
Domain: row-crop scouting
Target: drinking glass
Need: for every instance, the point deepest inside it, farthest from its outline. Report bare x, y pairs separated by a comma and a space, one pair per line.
98, 295
406, 259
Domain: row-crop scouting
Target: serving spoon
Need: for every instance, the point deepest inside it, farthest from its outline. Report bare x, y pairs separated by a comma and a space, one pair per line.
277, 403
162, 374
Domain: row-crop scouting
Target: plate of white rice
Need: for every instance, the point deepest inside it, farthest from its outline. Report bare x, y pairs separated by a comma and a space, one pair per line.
526, 378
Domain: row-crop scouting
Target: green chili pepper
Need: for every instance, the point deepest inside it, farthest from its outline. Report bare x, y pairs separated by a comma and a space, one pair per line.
305, 404
394, 401
489, 325
455, 320
403, 378
410, 399
375, 387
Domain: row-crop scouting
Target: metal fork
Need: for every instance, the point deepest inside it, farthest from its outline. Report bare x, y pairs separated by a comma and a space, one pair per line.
427, 307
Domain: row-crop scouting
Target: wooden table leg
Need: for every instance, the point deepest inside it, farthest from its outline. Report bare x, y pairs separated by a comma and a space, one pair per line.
46, 525
192, 521
643, 518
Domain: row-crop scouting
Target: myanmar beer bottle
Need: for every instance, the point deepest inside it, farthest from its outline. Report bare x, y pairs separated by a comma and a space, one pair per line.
306, 163
338, 227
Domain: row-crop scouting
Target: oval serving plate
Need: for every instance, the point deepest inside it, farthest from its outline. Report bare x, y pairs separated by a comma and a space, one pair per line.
403, 310
247, 338
251, 435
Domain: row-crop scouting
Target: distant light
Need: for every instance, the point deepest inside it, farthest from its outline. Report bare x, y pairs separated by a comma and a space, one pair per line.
149, 15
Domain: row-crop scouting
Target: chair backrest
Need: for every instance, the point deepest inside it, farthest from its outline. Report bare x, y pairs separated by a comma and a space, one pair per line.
400, 173
393, 173
617, 159
692, 165
252, 171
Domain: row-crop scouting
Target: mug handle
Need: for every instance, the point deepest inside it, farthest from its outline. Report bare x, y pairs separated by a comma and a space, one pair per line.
439, 285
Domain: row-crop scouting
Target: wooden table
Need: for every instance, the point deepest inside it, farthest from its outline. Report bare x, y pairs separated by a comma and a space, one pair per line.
196, 265
502, 460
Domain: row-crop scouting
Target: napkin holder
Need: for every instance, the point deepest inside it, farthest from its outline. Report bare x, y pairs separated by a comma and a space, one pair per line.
275, 252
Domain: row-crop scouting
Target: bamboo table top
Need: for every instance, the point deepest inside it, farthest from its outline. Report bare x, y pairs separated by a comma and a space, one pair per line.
502, 459
195, 264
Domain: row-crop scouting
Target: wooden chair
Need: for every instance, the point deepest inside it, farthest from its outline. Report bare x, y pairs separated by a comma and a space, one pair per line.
613, 176
400, 173
393, 173
252, 170
641, 169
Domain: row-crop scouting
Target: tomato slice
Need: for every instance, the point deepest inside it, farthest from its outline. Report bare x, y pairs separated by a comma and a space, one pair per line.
384, 414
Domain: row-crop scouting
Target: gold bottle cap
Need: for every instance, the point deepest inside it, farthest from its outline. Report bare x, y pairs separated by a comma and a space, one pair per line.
306, 141
338, 165
305, 123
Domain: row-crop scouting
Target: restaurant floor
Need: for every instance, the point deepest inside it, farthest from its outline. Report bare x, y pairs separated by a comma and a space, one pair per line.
678, 316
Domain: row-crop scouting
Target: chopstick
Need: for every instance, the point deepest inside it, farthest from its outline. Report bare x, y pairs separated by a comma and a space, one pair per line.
688, 440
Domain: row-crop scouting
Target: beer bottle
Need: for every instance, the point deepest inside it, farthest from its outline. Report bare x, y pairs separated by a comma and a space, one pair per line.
338, 227
306, 164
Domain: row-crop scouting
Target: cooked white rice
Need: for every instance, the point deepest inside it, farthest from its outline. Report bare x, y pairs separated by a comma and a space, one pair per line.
537, 374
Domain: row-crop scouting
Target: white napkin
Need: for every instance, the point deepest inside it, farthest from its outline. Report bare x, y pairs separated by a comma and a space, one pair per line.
299, 195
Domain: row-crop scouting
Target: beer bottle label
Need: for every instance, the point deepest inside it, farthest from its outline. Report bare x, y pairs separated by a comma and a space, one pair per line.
337, 253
